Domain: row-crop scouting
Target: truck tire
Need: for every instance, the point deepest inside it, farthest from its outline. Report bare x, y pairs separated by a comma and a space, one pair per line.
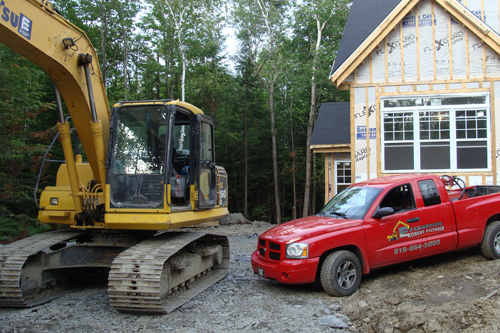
490, 246
340, 273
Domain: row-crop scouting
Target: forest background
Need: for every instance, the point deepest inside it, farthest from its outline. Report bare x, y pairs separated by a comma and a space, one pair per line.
262, 90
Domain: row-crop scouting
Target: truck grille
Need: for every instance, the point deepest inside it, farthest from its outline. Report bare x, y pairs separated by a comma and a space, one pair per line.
269, 250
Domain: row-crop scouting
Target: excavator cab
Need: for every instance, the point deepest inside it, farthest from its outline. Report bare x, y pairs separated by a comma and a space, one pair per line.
161, 155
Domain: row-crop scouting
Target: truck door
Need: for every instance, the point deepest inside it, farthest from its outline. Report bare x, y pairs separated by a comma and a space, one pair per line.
206, 181
438, 218
395, 237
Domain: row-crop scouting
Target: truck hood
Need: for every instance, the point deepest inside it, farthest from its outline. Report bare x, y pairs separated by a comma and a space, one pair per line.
307, 227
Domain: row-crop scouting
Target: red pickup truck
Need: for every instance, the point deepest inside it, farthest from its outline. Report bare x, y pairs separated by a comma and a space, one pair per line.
380, 222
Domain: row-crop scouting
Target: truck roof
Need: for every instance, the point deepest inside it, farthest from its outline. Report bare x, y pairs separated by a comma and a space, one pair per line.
394, 179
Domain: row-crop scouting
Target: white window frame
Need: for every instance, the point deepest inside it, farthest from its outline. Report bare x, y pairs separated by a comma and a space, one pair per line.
336, 186
452, 128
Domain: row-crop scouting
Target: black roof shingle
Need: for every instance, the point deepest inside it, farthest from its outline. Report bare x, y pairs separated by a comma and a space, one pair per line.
332, 125
364, 17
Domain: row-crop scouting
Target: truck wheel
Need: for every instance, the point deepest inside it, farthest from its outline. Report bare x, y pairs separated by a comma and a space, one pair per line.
490, 246
341, 273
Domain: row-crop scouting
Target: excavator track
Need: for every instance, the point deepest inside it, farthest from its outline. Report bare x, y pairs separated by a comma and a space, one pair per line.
161, 273
20, 287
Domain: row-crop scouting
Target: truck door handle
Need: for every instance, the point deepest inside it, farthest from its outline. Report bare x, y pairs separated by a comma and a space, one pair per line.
415, 219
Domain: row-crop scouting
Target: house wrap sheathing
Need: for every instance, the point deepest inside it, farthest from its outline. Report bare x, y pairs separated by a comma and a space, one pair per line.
424, 80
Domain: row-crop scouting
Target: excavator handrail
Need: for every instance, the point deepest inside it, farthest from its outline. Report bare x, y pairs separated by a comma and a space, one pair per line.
44, 159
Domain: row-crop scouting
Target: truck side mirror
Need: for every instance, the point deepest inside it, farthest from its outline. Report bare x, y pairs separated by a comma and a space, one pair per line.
381, 212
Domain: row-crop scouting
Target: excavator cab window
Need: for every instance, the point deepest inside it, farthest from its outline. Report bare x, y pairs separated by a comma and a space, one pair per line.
140, 156
181, 161
206, 173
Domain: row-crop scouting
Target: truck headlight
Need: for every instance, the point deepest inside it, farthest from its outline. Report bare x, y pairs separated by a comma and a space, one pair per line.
297, 251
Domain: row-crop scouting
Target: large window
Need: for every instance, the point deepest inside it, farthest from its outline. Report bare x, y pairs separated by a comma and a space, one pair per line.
438, 133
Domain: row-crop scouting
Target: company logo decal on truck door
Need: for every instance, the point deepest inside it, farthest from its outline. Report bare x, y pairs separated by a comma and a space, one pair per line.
407, 231
397, 233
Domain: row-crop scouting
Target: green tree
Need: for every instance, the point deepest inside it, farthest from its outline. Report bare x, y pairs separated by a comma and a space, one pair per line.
262, 26
24, 105
159, 33
322, 23
242, 141
188, 18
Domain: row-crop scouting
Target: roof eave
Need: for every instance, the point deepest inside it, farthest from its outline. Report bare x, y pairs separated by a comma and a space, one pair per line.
332, 148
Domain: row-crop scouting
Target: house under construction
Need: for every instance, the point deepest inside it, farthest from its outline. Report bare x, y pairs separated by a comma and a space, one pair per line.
424, 80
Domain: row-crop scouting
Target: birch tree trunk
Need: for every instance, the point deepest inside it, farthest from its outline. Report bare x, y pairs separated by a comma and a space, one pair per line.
275, 149
273, 77
104, 35
167, 64
125, 63
312, 116
270, 90
245, 134
294, 207
183, 78
158, 83
179, 24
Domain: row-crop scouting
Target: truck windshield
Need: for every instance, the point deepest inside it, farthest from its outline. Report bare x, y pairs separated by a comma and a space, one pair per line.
351, 203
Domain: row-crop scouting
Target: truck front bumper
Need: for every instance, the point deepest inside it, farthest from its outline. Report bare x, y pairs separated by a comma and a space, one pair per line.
291, 271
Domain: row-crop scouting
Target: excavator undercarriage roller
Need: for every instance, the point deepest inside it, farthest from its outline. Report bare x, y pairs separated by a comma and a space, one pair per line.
162, 273
147, 273
22, 279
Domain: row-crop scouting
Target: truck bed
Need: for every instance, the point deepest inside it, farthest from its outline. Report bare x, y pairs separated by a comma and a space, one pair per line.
480, 190
473, 192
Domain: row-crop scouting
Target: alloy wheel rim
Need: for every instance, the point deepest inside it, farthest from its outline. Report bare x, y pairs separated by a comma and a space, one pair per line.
346, 273
496, 242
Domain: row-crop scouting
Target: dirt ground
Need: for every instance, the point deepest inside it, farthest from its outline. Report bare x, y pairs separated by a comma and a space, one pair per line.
456, 292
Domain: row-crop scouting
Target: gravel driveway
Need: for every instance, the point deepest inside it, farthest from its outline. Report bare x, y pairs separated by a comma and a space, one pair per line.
457, 292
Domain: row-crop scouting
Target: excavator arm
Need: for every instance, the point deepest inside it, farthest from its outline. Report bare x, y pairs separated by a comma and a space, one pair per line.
34, 30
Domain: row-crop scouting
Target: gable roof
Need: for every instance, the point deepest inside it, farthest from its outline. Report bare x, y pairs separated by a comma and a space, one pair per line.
371, 13
359, 42
333, 125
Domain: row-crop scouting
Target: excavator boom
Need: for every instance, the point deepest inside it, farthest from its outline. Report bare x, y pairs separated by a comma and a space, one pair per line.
35, 31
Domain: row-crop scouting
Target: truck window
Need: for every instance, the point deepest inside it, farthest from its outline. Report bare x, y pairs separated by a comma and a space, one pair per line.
429, 192
351, 203
399, 198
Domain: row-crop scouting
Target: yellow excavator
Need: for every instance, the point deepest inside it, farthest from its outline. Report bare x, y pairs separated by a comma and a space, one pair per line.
151, 168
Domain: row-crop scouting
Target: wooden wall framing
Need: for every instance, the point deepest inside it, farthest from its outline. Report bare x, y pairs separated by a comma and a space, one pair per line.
467, 61
460, 62
330, 176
